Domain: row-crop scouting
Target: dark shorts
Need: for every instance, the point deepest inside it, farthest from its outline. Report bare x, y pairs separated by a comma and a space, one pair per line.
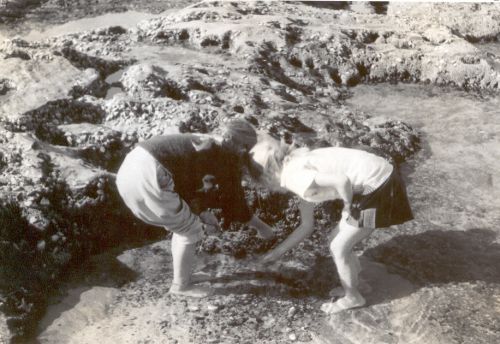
386, 206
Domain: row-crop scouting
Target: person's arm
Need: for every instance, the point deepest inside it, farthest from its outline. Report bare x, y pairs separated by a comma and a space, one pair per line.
340, 183
263, 229
210, 223
304, 230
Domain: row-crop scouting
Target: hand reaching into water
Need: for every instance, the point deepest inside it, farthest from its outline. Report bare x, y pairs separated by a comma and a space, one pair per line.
266, 259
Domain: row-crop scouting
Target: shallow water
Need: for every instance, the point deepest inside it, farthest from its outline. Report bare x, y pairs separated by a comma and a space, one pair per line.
114, 81
115, 77
112, 92
126, 20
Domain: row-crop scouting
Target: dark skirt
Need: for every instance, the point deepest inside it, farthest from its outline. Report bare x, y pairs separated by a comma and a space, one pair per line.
386, 206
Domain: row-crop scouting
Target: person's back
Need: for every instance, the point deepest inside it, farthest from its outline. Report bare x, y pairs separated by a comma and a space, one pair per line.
364, 170
177, 154
205, 173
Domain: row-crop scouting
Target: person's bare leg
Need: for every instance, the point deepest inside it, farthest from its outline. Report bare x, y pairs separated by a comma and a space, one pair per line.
348, 267
333, 233
337, 291
362, 284
183, 258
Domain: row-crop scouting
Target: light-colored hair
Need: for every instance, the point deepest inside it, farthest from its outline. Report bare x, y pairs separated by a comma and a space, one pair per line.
269, 154
239, 133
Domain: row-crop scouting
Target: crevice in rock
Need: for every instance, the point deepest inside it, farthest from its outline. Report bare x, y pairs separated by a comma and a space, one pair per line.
3, 162
380, 7
335, 75
46, 118
363, 70
350, 33
199, 123
309, 63
266, 62
292, 35
226, 40
112, 31
368, 37
5, 86
470, 59
20, 54
286, 127
211, 41
332, 5
150, 81
238, 109
193, 84
295, 61
475, 39
98, 89
481, 39
353, 80
282, 91
83, 61
183, 35
171, 89
259, 103
244, 9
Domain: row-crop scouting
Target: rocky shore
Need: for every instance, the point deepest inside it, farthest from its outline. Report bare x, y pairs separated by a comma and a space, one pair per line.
72, 106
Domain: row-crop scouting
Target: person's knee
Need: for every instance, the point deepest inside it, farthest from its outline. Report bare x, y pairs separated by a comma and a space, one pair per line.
339, 250
345, 226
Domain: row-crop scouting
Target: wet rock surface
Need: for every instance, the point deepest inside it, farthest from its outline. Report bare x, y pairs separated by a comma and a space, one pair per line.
289, 69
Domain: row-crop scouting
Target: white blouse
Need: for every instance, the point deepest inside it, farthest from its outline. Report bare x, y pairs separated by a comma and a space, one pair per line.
365, 171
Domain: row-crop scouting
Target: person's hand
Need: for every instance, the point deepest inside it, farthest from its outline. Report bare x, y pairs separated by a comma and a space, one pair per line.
210, 229
259, 263
267, 258
210, 222
346, 210
348, 220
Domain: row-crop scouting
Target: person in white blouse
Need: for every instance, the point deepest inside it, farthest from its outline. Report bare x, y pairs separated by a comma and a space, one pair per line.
370, 187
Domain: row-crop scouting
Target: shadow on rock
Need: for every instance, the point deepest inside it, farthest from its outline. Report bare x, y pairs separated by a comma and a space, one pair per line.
438, 257
332, 5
